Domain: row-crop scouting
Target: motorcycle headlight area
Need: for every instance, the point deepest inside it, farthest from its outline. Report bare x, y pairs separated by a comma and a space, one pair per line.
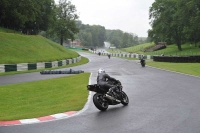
92, 87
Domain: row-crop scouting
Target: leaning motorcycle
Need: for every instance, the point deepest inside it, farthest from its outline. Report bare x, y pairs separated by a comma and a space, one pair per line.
101, 100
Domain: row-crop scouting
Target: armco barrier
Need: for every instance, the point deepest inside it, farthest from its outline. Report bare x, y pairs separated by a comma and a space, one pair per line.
54, 64
9, 68
39, 65
64, 62
59, 63
2, 68
183, 59
69, 61
32, 66
48, 64
22, 66
128, 55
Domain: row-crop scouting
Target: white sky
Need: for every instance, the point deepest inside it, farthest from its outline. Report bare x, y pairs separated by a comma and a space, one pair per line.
130, 16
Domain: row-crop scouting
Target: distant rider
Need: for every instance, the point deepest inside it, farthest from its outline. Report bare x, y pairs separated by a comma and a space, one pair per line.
109, 56
102, 81
142, 59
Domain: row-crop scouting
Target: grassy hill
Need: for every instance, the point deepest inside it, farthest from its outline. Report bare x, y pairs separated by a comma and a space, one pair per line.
17, 48
138, 48
187, 49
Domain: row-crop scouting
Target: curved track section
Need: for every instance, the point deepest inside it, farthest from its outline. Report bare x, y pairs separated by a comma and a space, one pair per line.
160, 102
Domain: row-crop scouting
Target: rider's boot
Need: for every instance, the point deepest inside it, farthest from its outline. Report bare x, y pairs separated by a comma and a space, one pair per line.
109, 91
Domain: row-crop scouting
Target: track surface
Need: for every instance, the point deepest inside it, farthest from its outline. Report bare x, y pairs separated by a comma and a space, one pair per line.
160, 102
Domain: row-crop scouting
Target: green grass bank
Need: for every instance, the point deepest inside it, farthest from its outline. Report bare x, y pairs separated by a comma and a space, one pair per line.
42, 98
186, 68
17, 48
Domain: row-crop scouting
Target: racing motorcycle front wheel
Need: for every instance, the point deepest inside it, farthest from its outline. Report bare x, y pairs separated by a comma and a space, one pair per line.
124, 98
100, 102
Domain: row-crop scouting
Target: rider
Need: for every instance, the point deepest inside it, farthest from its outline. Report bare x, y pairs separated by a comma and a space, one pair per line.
142, 59
102, 79
109, 56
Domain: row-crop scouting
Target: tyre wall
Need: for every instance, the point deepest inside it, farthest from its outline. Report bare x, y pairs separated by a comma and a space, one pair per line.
180, 59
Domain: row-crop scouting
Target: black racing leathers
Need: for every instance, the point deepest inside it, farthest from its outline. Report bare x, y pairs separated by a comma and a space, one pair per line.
102, 79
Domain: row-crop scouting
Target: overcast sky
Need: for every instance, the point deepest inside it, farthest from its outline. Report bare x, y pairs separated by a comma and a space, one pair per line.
127, 15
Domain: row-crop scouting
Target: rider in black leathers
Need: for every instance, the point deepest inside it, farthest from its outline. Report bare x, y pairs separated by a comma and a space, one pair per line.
102, 79
142, 60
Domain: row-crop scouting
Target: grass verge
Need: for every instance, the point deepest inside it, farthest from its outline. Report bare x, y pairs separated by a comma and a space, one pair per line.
42, 98
186, 68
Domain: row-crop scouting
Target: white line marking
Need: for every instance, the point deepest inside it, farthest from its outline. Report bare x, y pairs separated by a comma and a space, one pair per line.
28, 121
60, 115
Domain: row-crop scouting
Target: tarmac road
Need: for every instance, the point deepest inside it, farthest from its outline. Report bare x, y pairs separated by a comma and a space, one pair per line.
160, 102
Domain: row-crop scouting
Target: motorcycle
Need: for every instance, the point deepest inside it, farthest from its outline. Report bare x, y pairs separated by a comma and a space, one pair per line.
109, 56
142, 61
101, 100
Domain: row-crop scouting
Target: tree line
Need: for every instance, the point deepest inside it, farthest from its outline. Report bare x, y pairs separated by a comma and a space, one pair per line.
175, 21
122, 39
59, 22
96, 35
91, 35
27, 16
33, 16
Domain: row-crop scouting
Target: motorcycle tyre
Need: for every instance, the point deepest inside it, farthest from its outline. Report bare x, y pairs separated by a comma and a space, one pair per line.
99, 103
143, 65
124, 102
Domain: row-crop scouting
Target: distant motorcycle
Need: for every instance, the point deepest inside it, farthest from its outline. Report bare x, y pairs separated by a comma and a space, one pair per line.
109, 56
142, 62
102, 101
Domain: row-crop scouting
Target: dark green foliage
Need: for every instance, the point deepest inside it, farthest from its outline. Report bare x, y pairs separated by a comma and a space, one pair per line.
175, 21
65, 26
122, 39
96, 35
27, 16
91, 36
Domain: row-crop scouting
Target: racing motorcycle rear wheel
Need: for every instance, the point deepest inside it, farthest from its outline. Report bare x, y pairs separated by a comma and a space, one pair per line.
100, 102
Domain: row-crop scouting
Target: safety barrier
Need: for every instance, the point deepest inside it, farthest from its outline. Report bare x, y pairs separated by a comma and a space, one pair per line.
127, 55
180, 59
39, 65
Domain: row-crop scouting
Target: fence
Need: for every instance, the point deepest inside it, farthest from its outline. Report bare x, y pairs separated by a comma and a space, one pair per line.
39, 65
183, 59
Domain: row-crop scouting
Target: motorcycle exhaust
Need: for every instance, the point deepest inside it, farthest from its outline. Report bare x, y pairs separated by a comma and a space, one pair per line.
112, 98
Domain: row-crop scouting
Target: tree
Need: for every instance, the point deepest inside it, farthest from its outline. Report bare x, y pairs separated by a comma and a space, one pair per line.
28, 16
165, 22
85, 37
65, 26
189, 11
121, 39
91, 36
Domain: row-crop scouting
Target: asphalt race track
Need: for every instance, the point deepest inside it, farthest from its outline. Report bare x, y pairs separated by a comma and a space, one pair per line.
160, 102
